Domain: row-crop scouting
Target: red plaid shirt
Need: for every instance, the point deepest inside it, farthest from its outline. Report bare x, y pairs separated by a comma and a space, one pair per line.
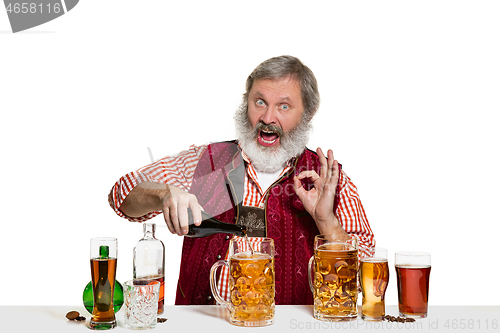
178, 171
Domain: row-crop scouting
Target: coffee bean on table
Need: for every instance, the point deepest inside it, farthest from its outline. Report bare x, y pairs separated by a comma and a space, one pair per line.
75, 316
398, 319
72, 315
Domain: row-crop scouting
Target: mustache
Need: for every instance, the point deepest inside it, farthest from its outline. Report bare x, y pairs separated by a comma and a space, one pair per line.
269, 128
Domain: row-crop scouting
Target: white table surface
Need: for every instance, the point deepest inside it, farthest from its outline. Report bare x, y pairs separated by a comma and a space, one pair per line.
291, 318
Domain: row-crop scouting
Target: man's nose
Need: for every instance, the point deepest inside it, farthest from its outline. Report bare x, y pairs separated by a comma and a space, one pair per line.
269, 116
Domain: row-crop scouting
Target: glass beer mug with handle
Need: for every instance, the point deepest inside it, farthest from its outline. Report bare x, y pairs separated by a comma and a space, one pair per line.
251, 281
333, 277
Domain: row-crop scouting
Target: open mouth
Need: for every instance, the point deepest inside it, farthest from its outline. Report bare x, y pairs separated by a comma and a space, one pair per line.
268, 138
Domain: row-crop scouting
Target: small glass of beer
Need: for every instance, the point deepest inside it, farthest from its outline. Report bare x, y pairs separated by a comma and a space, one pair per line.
251, 281
412, 271
103, 255
374, 271
334, 278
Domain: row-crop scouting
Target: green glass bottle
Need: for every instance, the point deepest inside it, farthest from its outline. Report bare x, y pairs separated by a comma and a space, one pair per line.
88, 293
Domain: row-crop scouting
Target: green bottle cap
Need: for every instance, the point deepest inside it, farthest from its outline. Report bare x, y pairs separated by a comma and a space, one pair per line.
103, 251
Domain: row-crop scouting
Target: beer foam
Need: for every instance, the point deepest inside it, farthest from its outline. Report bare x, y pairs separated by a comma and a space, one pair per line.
374, 259
336, 247
412, 266
248, 256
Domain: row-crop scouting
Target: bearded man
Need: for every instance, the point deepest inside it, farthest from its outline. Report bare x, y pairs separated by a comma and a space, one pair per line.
266, 180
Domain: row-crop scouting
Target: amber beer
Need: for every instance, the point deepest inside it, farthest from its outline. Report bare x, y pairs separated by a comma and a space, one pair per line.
335, 283
251, 270
413, 290
103, 284
374, 273
252, 294
413, 271
103, 271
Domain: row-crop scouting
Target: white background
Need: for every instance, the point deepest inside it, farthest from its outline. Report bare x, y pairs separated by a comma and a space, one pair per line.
410, 104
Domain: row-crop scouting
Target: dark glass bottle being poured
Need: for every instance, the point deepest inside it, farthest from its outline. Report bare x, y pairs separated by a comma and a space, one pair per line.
210, 226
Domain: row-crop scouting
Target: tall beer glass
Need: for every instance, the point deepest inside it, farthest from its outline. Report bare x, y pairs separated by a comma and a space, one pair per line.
335, 282
413, 270
374, 272
251, 275
103, 255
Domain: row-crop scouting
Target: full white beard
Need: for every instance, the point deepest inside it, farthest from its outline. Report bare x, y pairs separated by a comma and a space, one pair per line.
270, 159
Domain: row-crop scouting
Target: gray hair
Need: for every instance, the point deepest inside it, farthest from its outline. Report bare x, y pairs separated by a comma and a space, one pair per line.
280, 67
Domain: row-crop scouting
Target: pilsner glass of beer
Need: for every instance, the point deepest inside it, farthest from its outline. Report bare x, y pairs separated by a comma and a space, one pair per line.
412, 271
334, 278
103, 255
251, 281
374, 276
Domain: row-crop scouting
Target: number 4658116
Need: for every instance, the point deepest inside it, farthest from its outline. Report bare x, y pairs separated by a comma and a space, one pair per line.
33, 8
471, 324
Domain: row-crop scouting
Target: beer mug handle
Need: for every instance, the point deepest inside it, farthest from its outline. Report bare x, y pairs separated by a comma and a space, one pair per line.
213, 283
310, 272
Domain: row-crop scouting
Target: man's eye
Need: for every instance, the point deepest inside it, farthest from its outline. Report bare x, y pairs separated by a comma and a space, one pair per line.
285, 107
260, 102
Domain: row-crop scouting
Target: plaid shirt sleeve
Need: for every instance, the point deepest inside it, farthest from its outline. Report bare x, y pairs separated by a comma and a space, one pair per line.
175, 170
352, 216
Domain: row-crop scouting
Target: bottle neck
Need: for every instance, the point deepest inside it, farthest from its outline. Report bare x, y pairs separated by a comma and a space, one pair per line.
103, 252
149, 230
236, 229
212, 226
